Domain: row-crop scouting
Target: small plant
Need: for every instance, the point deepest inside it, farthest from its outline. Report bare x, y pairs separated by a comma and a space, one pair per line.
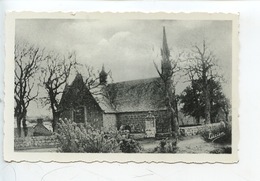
83, 138
167, 146
129, 146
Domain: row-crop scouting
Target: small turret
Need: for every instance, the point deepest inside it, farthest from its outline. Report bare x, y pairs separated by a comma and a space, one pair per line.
103, 76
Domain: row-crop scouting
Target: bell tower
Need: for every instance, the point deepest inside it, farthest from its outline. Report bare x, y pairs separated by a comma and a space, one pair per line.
103, 76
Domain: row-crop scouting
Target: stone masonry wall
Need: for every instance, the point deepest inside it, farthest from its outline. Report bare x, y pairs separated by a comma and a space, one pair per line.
194, 130
35, 142
109, 122
136, 121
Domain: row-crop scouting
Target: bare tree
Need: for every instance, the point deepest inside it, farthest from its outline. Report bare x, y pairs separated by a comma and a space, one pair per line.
168, 88
27, 58
169, 68
54, 77
202, 65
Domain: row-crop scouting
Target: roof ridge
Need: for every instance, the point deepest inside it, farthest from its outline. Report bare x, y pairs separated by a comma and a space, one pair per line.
134, 80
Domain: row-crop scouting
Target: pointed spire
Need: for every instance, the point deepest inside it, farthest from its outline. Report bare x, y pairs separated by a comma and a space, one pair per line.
103, 76
165, 52
103, 72
103, 68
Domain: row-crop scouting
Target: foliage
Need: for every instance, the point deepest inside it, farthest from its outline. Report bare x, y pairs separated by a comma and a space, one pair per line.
166, 146
129, 146
83, 138
227, 149
226, 107
221, 134
202, 66
193, 102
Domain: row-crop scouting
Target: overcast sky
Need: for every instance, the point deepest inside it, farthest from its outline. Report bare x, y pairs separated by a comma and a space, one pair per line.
128, 47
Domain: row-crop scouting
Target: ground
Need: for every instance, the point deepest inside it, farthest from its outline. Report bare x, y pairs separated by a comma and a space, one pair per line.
198, 145
192, 144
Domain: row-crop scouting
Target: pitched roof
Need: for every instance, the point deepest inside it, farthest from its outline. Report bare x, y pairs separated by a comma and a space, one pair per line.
99, 93
128, 96
41, 130
133, 96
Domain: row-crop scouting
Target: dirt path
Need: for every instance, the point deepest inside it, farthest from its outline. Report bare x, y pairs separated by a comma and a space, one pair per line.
193, 144
197, 145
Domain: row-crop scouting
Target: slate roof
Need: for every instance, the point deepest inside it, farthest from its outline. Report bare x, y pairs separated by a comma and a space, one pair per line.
103, 100
132, 96
128, 96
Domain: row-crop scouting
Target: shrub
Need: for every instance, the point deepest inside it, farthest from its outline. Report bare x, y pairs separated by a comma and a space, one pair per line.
167, 146
220, 134
129, 146
222, 150
83, 138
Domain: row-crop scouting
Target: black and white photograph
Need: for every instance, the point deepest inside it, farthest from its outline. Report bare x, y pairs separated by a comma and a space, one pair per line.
124, 85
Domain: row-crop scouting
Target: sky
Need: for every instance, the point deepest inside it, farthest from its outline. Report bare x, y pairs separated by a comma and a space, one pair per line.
129, 48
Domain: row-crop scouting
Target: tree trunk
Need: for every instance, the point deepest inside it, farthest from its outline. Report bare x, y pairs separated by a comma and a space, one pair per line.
176, 129
172, 120
174, 124
207, 105
19, 130
226, 115
171, 105
25, 129
55, 119
176, 110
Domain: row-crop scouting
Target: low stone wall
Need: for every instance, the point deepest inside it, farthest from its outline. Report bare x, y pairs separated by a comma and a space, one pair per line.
194, 130
35, 142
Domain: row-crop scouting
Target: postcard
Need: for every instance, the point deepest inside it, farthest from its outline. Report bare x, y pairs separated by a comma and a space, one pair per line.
121, 87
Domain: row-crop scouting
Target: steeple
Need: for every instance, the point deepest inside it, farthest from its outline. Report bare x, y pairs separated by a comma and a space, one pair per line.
165, 50
165, 53
103, 76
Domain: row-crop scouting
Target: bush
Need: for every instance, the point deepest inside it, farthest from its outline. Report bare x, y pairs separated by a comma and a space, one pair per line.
83, 138
129, 146
220, 134
167, 146
222, 150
